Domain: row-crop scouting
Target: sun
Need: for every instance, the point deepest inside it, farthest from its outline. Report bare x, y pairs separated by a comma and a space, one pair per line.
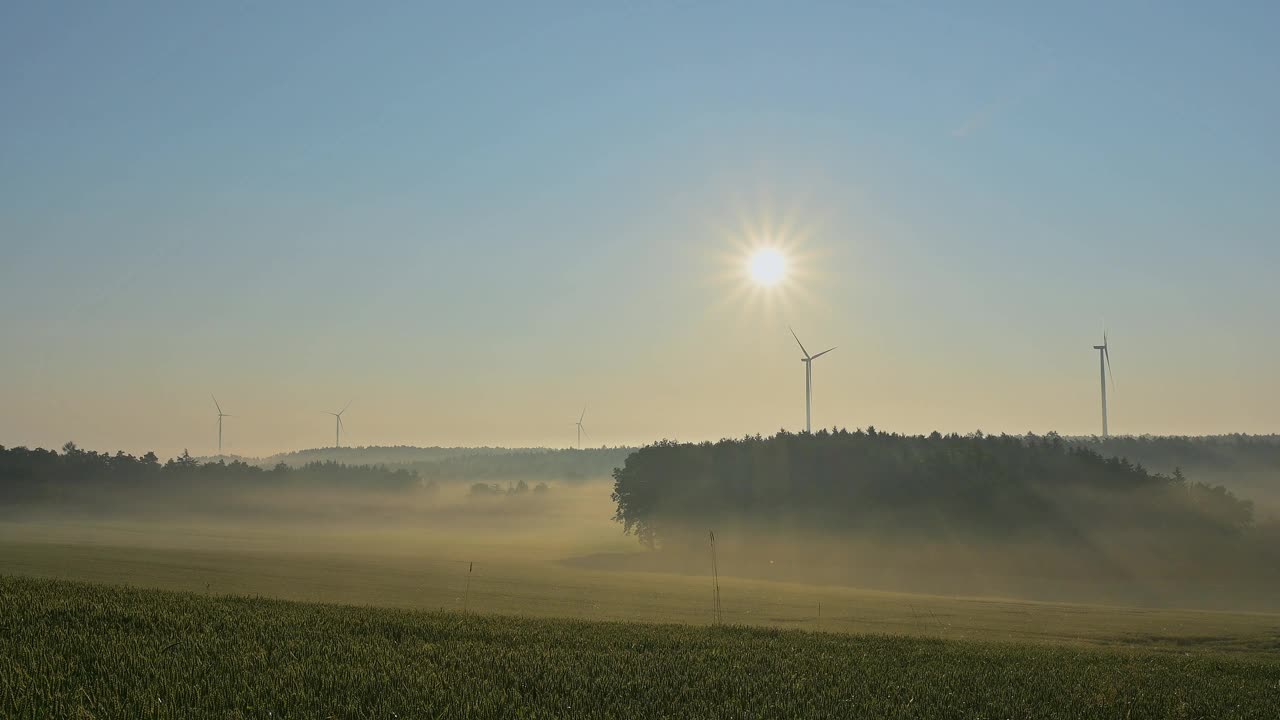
767, 267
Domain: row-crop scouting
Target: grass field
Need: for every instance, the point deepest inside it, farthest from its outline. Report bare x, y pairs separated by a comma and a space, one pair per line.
182, 620
76, 650
521, 576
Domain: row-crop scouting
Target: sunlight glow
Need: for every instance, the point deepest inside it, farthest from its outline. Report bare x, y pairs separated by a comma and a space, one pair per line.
767, 266
766, 263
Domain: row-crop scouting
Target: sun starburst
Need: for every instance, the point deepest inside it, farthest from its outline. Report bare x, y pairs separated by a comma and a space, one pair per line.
765, 265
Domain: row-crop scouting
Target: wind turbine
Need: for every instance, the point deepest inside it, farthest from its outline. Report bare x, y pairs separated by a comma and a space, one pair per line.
220, 416
1104, 371
337, 424
808, 379
581, 428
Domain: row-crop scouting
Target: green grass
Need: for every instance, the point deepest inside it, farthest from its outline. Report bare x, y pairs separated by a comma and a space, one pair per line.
379, 635
526, 579
78, 650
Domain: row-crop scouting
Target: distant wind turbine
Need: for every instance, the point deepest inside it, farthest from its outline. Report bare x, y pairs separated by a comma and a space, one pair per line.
220, 416
1104, 371
582, 430
808, 379
337, 424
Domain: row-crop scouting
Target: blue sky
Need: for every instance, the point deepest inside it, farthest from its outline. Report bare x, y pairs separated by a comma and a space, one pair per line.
475, 220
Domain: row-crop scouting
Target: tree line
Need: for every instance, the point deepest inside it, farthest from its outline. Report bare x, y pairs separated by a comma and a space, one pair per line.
1226, 452
994, 487
48, 476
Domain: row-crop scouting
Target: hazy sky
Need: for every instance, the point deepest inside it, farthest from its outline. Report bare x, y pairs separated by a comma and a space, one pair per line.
471, 219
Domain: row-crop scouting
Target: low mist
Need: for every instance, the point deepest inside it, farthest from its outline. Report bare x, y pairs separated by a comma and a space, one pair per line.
1104, 531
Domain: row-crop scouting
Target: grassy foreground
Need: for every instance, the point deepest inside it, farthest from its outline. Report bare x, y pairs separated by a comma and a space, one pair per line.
526, 578
76, 650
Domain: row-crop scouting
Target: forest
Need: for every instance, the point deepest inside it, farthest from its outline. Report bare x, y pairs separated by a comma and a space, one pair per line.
85, 478
1247, 464
1234, 451
996, 487
1027, 516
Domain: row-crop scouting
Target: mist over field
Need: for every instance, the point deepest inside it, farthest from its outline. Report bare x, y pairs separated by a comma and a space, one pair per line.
462, 496
1006, 550
1036, 518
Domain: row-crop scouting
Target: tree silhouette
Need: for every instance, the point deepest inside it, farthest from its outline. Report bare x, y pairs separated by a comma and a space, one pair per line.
982, 486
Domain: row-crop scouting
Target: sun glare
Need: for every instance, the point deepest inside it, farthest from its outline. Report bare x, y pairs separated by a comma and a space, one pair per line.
766, 263
767, 267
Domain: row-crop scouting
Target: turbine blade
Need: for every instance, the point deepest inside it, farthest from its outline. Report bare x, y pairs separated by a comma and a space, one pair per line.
584, 431
584, 413
215, 402
344, 407
824, 352
793, 334
1106, 353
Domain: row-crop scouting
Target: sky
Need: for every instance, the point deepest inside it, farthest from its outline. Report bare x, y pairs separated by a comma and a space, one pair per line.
471, 221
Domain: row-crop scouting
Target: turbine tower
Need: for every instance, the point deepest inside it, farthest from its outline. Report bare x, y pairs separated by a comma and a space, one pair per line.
337, 424
220, 416
808, 380
1104, 371
581, 428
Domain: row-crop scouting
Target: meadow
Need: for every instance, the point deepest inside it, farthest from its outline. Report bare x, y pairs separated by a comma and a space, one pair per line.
81, 650
498, 607
545, 567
